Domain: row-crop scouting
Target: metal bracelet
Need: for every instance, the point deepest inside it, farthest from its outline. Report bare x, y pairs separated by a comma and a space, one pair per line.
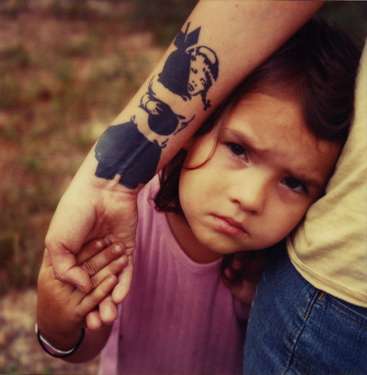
52, 350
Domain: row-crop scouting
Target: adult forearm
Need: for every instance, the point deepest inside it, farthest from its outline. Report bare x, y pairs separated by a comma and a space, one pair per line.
220, 43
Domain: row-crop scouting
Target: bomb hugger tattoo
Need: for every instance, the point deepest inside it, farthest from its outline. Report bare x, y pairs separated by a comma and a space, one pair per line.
161, 118
191, 69
131, 151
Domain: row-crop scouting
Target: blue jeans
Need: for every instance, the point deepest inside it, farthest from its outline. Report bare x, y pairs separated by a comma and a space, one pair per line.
296, 329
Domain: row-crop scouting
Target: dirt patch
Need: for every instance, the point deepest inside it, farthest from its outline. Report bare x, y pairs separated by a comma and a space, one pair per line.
20, 353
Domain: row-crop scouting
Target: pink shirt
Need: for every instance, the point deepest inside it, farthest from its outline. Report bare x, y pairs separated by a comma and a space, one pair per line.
178, 318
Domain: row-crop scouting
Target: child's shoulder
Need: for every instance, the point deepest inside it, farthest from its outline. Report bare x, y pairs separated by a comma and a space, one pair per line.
148, 192
148, 215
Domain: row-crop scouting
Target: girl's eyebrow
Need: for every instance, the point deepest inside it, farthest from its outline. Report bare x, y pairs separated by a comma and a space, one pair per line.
246, 140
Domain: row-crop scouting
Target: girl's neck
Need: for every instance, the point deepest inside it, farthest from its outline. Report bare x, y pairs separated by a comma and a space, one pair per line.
188, 242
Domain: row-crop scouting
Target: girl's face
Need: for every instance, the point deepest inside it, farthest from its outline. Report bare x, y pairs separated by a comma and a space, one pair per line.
265, 171
197, 79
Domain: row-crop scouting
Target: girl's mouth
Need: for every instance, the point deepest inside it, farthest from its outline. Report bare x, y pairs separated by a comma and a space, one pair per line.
228, 226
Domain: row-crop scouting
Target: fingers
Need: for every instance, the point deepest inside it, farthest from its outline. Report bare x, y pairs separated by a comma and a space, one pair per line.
69, 227
103, 265
104, 257
245, 266
65, 269
106, 314
93, 321
245, 292
93, 247
113, 268
123, 286
108, 311
92, 300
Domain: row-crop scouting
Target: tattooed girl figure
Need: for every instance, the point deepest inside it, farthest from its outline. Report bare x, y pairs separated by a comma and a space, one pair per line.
203, 72
161, 118
190, 70
131, 150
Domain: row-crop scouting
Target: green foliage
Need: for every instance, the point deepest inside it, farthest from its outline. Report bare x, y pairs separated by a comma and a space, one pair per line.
79, 47
8, 132
10, 92
15, 55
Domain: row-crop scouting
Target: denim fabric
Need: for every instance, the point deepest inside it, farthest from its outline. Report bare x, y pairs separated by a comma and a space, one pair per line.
296, 329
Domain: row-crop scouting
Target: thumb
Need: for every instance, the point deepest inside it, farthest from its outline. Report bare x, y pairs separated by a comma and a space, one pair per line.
65, 267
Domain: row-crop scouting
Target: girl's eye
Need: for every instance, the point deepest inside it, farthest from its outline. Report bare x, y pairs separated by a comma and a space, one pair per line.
237, 149
295, 185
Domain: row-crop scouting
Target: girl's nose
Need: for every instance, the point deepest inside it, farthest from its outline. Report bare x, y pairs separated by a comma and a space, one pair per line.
251, 190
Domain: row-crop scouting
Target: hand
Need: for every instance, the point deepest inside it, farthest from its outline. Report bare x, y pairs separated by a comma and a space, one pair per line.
91, 258
242, 273
68, 306
91, 208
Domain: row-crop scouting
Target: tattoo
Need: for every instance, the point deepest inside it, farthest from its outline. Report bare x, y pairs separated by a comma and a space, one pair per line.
132, 149
161, 118
191, 69
123, 150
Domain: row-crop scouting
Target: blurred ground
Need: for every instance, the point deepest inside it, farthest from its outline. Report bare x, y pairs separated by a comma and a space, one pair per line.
63, 78
19, 350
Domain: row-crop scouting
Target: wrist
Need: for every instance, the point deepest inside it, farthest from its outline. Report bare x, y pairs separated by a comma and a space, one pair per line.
58, 336
86, 177
62, 349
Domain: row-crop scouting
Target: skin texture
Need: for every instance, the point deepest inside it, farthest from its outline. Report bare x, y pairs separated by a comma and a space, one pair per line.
265, 171
102, 261
93, 207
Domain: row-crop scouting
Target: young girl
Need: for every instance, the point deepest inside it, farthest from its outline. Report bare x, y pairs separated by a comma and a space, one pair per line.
244, 184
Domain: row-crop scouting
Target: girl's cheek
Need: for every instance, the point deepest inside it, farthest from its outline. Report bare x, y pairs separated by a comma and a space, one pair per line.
201, 151
292, 198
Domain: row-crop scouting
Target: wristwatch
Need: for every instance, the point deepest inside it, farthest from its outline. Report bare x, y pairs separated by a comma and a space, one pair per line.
52, 350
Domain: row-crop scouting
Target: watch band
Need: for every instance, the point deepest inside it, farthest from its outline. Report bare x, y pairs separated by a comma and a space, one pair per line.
52, 350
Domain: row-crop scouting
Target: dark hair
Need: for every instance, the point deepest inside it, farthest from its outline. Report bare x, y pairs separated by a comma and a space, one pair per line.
318, 66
